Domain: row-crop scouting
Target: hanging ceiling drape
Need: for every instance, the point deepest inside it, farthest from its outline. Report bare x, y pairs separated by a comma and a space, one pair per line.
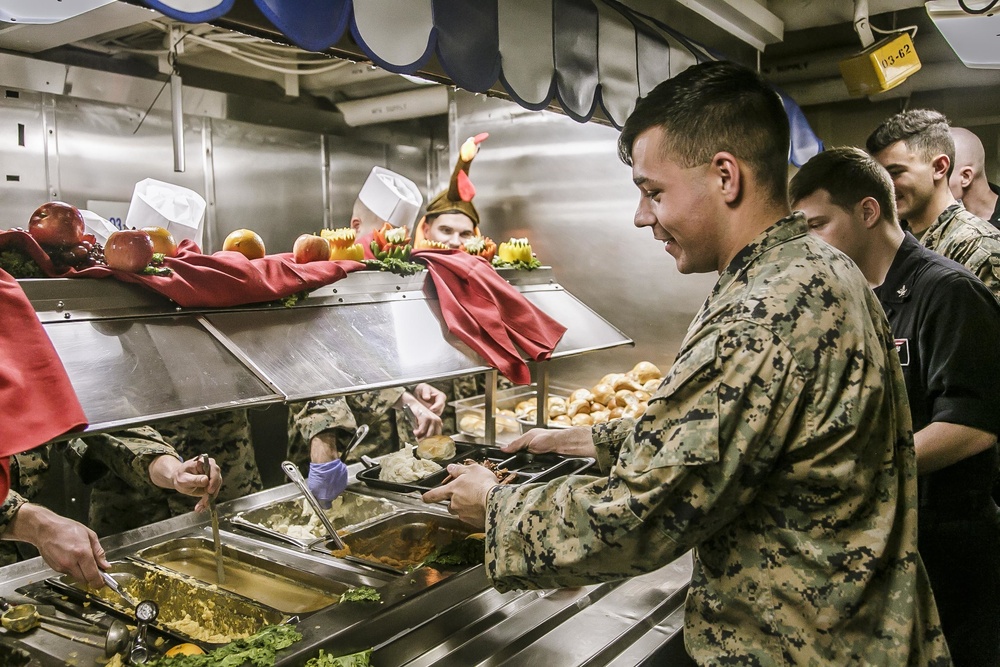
583, 54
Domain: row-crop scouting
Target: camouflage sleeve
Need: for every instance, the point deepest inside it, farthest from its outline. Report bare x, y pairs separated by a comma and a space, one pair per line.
8, 510
126, 454
370, 406
711, 432
609, 438
309, 419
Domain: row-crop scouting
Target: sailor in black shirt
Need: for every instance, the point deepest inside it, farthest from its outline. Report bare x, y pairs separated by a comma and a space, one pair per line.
946, 324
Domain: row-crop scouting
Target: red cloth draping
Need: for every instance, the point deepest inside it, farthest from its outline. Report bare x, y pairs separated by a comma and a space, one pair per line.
37, 401
488, 314
208, 281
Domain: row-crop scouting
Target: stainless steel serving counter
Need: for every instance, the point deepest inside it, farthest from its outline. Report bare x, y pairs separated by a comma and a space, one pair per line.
423, 619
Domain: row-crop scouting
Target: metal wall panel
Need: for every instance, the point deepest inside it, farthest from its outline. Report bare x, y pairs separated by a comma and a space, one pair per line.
22, 157
267, 179
560, 183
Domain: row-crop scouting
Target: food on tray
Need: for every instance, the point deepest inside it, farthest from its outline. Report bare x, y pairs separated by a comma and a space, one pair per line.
400, 545
475, 423
469, 550
402, 467
645, 371
184, 649
200, 612
436, 448
360, 594
324, 659
342, 244
296, 519
260, 649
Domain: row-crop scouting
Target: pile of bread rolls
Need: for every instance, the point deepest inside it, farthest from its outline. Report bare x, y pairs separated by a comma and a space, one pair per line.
474, 423
615, 395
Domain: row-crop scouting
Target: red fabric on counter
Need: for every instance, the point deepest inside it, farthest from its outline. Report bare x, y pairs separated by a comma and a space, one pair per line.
37, 401
488, 313
207, 281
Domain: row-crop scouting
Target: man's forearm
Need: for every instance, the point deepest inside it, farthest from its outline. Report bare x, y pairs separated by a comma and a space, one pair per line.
941, 444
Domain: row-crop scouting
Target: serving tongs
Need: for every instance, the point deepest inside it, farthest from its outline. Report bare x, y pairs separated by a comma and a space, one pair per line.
220, 570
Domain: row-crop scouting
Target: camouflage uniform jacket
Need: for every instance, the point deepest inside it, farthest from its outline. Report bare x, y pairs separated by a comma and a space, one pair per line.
779, 447
343, 415
969, 240
126, 454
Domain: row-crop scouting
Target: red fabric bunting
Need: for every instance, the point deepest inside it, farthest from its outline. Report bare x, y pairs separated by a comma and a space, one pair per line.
208, 281
37, 401
489, 314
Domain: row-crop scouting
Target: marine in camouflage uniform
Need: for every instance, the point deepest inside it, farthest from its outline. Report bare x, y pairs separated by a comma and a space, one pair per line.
117, 506
779, 447
969, 240
124, 455
342, 416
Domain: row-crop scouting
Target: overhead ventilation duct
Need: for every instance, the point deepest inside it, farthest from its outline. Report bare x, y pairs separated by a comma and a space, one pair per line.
974, 37
45, 11
429, 101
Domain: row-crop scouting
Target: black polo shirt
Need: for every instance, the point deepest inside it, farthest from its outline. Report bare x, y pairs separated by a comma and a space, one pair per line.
946, 324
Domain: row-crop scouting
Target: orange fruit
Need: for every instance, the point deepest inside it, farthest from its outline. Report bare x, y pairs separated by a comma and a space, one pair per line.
163, 241
246, 242
184, 649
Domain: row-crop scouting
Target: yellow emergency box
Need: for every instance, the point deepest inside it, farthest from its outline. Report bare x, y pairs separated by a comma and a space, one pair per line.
882, 66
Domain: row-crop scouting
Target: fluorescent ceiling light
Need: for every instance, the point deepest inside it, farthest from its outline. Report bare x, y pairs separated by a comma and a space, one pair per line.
975, 38
747, 20
46, 11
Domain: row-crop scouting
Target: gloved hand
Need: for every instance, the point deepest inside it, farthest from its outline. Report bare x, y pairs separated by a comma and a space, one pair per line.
327, 480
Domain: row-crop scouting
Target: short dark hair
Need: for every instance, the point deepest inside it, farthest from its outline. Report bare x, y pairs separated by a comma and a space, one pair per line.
924, 130
716, 106
849, 175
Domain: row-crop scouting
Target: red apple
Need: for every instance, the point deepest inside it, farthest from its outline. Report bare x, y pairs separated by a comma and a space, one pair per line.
56, 224
310, 248
128, 250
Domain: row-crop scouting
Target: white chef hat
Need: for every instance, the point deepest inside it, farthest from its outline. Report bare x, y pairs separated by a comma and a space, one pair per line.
391, 197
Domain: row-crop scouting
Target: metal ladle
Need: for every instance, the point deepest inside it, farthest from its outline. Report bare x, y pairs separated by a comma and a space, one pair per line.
26, 617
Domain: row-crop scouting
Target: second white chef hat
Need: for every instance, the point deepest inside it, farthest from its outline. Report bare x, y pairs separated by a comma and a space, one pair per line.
392, 197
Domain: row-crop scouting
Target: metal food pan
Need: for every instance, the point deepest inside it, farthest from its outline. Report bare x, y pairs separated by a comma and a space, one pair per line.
527, 468
277, 585
188, 607
277, 519
401, 540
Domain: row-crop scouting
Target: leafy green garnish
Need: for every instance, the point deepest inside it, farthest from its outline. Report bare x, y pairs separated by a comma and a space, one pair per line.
259, 650
157, 260
293, 299
466, 551
392, 265
19, 264
360, 594
519, 265
324, 659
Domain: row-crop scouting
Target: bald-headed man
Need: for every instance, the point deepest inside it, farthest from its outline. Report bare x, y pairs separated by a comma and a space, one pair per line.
968, 180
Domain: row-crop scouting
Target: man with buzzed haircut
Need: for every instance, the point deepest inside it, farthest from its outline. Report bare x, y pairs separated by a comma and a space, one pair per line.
968, 178
778, 446
917, 150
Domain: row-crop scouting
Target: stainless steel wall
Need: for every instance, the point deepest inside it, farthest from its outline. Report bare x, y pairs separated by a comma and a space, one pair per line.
560, 183
278, 182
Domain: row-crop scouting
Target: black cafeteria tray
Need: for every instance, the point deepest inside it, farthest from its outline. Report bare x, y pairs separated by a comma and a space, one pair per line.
528, 468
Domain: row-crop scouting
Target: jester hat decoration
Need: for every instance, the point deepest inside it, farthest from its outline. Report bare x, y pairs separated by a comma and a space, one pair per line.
458, 197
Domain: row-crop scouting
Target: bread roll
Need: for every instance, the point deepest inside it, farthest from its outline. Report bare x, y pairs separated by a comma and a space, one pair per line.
523, 407
472, 424
436, 448
634, 411
599, 416
641, 394
612, 403
506, 413
625, 398
615, 414
626, 382
602, 392
645, 371
581, 395
652, 385
557, 407
611, 378
582, 420
561, 420
577, 407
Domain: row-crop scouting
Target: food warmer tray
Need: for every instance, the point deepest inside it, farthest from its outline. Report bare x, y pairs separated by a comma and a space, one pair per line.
273, 584
166, 588
527, 467
402, 540
355, 510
